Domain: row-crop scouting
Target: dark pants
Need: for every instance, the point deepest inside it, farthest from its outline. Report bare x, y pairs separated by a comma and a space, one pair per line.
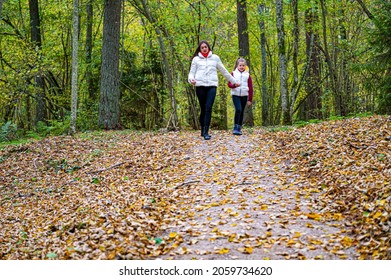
206, 98
240, 104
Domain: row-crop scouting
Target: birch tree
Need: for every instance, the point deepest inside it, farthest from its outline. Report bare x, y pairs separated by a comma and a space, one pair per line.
75, 61
264, 91
282, 63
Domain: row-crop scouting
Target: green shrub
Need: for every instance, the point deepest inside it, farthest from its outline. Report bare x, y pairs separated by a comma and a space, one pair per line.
8, 132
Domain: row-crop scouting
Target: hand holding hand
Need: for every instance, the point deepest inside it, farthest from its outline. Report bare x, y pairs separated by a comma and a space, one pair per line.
236, 84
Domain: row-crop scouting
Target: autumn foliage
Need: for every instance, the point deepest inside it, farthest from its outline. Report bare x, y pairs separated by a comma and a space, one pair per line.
111, 195
348, 163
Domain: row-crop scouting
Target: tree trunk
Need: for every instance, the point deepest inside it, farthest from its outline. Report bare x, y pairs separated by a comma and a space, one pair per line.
333, 76
75, 61
173, 123
241, 17
109, 111
312, 107
265, 98
1, 7
282, 64
91, 88
347, 99
295, 89
244, 49
35, 25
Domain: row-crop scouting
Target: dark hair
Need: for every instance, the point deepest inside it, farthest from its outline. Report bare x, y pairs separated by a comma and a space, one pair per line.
240, 59
199, 47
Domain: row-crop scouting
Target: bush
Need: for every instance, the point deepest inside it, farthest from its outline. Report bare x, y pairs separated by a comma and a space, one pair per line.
8, 132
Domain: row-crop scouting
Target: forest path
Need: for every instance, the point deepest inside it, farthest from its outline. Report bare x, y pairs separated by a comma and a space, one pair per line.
239, 205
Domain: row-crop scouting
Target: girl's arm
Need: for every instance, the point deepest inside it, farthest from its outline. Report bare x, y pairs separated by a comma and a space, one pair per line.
224, 71
250, 89
193, 69
231, 85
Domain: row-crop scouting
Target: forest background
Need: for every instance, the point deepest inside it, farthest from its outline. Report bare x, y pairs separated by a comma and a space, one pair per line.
68, 66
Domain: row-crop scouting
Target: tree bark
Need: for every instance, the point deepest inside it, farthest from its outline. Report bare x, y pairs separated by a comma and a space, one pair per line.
109, 111
91, 88
333, 76
265, 97
311, 106
295, 89
75, 62
1, 7
241, 17
244, 50
285, 118
35, 25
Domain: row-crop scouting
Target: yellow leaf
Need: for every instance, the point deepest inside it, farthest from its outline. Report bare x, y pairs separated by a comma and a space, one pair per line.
215, 229
234, 214
297, 234
377, 215
291, 242
346, 241
309, 225
173, 234
314, 216
223, 251
338, 216
232, 237
263, 207
248, 250
111, 255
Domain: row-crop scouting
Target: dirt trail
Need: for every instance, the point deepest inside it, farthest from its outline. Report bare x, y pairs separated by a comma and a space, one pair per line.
243, 208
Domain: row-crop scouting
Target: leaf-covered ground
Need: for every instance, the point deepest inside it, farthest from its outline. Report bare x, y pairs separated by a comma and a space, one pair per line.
319, 192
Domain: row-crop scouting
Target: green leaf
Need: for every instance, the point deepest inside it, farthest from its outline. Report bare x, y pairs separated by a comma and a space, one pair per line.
51, 255
158, 240
95, 180
366, 214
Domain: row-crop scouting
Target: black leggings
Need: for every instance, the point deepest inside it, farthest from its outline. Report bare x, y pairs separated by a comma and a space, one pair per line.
240, 104
206, 98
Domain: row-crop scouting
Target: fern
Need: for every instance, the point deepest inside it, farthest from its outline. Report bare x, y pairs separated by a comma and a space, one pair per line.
8, 132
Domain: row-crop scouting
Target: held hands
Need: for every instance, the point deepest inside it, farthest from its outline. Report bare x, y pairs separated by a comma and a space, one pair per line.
236, 84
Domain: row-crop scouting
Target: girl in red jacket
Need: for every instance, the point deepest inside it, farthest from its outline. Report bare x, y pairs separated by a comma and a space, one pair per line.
242, 94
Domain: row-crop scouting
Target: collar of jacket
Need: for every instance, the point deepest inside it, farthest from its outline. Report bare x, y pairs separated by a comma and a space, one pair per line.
237, 70
201, 56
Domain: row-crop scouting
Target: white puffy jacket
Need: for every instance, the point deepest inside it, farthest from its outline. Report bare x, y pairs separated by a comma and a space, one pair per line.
204, 70
242, 78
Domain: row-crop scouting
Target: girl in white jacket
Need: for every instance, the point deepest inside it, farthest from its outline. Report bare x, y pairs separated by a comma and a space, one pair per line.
242, 95
203, 75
